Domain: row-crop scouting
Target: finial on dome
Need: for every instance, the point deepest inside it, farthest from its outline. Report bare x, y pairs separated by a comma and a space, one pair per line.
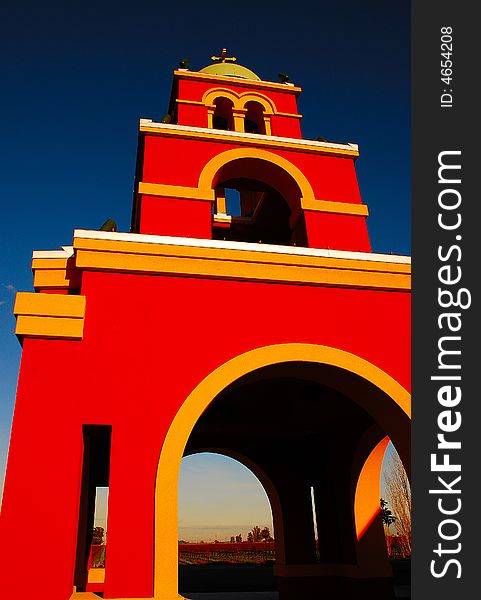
223, 57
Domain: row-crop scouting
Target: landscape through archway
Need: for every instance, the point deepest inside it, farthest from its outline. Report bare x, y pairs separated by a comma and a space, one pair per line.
225, 527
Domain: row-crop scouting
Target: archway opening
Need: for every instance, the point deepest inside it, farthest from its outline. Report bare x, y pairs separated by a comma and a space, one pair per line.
223, 117
92, 520
375, 402
226, 539
396, 497
269, 204
254, 121
303, 435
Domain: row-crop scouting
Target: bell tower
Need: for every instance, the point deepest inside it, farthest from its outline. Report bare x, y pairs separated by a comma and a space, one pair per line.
229, 131
246, 291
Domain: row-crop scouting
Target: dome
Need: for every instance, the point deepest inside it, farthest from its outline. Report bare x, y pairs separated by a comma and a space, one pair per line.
229, 69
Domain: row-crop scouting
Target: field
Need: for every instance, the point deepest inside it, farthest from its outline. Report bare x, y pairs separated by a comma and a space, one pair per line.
258, 553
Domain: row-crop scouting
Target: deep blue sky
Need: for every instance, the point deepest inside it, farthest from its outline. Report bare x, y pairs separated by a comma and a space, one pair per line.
78, 75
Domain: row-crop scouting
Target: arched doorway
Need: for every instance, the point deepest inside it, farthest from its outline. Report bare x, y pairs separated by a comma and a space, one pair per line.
272, 192
225, 526
318, 441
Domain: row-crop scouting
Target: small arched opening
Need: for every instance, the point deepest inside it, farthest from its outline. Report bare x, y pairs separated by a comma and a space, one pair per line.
254, 120
223, 116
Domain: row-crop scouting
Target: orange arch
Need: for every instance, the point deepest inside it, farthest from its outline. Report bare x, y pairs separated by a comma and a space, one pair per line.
210, 96
206, 178
239, 100
268, 105
368, 489
166, 492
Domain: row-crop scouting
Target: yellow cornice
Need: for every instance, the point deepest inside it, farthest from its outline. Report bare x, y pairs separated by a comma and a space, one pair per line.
283, 114
49, 315
195, 102
140, 257
176, 191
55, 273
342, 208
238, 81
249, 139
207, 194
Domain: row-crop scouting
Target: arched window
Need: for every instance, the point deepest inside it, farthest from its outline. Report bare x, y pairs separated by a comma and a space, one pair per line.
257, 201
223, 118
254, 121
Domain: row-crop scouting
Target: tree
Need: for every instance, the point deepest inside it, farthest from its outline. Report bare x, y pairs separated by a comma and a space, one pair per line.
398, 493
232, 539
250, 537
266, 535
98, 536
387, 517
256, 534
238, 538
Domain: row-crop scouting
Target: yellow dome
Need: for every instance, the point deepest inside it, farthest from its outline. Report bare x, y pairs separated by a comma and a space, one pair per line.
229, 69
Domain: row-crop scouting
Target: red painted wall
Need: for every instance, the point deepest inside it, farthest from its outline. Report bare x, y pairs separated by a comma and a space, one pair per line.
180, 161
148, 342
338, 232
176, 217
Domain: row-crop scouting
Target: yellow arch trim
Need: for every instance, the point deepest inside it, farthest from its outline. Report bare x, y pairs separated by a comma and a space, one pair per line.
166, 487
209, 171
211, 95
269, 106
239, 100
368, 489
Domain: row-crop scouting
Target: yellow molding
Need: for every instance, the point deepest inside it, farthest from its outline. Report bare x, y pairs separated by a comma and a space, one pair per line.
175, 265
56, 278
220, 202
52, 305
96, 575
238, 82
238, 122
176, 191
206, 182
239, 265
49, 327
225, 136
55, 273
92, 596
49, 315
293, 115
166, 488
231, 254
196, 102
342, 208
50, 263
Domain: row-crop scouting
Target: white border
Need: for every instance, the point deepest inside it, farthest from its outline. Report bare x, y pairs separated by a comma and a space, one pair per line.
249, 136
246, 246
